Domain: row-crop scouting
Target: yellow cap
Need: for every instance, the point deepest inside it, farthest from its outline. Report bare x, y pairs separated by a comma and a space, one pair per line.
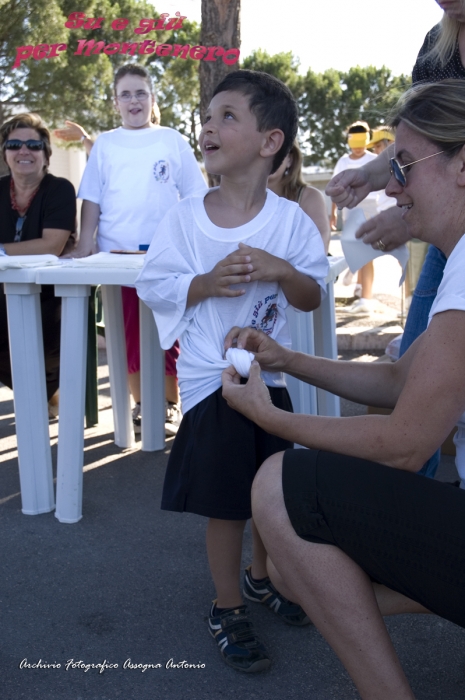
380, 135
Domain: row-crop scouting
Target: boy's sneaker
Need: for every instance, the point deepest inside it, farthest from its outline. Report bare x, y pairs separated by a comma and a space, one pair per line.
263, 591
238, 643
136, 419
172, 418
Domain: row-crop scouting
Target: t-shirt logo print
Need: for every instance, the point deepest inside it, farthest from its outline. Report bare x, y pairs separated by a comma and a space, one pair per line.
268, 315
161, 171
269, 319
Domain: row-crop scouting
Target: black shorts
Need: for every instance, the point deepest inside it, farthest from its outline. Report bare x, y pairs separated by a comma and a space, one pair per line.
215, 456
404, 530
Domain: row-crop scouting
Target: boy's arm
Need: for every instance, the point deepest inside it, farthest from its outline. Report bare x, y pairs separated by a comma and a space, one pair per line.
300, 290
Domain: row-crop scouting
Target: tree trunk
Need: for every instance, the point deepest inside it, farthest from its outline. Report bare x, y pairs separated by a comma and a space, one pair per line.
220, 27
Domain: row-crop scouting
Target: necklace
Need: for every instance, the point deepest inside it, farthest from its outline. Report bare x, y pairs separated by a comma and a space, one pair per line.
21, 212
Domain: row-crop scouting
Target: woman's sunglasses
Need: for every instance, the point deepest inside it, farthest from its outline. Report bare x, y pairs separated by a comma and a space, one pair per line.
31, 144
398, 170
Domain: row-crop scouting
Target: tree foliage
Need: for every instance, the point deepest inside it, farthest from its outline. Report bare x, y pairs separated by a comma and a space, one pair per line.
282, 65
330, 101
80, 88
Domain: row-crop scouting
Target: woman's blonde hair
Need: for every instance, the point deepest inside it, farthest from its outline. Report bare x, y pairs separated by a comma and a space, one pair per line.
446, 42
292, 181
436, 111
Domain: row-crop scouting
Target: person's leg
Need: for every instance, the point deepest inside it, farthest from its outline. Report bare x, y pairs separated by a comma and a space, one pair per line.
229, 622
171, 389
389, 602
171, 381
333, 590
366, 277
134, 385
417, 320
132, 336
259, 554
224, 549
51, 330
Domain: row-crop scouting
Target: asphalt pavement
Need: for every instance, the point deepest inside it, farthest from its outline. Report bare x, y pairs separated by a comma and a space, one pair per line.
85, 607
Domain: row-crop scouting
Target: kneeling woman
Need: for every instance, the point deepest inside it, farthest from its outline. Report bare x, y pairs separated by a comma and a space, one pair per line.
352, 532
38, 216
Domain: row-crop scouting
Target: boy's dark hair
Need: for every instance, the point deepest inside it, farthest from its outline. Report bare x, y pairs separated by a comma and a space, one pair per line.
271, 102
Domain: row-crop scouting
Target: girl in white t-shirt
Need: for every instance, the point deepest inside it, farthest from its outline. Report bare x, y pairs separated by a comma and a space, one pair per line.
134, 175
358, 137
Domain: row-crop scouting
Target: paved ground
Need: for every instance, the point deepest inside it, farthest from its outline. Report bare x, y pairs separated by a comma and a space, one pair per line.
129, 582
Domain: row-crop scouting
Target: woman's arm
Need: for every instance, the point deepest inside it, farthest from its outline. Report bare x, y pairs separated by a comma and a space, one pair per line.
52, 243
430, 402
75, 132
374, 384
313, 204
349, 187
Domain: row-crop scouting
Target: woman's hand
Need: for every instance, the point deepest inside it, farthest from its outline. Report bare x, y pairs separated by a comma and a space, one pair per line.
349, 188
82, 250
252, 399
268, 353
71, 132
388, 227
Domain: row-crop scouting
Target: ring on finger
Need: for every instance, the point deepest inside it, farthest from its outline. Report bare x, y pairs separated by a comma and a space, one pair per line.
381, 246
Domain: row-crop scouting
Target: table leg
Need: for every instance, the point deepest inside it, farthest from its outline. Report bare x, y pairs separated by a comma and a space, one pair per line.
73, 355
324, 319
117, 365
30, 397
152, 365
302, 335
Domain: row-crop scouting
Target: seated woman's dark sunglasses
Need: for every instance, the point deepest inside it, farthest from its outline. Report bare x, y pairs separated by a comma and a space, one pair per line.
31, 144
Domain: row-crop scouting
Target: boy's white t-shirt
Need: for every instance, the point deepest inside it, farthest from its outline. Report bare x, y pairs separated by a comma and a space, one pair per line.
135, 176
187, 244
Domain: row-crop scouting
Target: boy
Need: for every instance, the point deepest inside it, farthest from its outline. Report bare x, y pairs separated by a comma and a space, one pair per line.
237, 256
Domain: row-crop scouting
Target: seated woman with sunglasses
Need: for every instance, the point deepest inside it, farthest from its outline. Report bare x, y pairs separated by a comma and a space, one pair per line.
38, 215
352, 533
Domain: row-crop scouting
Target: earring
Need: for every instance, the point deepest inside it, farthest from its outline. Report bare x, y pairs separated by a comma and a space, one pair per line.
286, 172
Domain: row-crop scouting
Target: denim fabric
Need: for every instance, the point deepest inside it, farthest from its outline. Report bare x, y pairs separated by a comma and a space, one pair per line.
417, 319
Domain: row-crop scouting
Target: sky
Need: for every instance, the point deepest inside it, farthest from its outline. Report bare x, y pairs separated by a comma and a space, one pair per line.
331, 33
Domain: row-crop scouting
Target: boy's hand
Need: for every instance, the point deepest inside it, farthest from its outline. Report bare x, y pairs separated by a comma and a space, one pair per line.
235, 268
301, 291
268, 353
266, 267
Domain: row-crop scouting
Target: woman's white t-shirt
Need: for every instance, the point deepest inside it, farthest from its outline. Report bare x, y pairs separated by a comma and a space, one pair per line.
136, 176
451, 295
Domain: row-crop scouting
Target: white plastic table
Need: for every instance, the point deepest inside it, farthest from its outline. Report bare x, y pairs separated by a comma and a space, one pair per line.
315, 334
312, 333
73, 284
